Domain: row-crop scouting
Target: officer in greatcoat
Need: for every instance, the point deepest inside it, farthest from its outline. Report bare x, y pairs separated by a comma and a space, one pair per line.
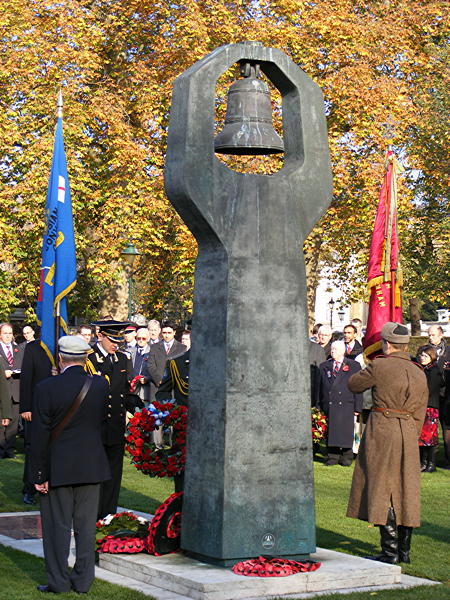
67, 464
339, 404
386, 480
116, 367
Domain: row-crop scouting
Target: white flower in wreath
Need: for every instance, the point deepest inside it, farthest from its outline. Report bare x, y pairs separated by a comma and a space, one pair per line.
107, 520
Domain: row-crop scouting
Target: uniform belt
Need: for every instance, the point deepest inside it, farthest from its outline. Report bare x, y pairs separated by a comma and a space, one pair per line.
392, 412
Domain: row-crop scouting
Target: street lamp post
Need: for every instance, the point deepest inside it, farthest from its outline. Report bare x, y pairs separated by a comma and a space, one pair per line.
129, 254
331, 304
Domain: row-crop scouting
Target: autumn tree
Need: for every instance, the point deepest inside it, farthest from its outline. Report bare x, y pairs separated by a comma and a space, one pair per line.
116, 62
427, 235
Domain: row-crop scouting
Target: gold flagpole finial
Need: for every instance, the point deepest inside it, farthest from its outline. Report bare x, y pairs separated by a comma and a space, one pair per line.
60, 104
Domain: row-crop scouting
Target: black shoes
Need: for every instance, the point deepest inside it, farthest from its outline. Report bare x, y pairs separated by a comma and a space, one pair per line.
384, 558
404, 543
48, 590
29, 498
395, 542
428, 459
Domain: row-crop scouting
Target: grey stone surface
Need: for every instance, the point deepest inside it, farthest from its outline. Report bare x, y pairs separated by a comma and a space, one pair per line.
187, 578
249, 480
117, 564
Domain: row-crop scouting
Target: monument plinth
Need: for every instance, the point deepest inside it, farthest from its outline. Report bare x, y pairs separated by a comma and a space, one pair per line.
249, 471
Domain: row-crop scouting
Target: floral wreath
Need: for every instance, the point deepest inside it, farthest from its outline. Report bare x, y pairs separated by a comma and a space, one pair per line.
146, 455
318, 425
126, 533
122, 532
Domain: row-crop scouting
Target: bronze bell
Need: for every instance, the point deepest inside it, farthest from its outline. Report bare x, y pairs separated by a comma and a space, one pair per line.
248, 125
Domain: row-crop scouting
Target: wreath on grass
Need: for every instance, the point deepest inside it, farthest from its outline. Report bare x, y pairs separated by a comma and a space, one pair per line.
318, 425
122, 532
126, 533
149, 458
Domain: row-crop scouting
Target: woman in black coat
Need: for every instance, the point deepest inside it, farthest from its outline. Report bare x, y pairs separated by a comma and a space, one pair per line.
429, 440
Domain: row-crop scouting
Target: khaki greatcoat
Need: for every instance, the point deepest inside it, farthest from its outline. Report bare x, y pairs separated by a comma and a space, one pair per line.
387, 469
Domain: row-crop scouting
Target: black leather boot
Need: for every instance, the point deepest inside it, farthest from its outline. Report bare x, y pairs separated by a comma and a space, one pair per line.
404, 543
388, 541
431, 466
423, 457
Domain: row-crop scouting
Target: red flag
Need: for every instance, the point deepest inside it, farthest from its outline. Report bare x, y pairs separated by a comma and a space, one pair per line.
384, 274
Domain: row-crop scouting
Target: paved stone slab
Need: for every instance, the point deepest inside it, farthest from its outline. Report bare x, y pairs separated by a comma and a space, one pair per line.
199, 581
339, 573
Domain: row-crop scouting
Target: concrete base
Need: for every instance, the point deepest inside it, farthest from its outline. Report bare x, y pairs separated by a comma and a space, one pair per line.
189, 579
158, 577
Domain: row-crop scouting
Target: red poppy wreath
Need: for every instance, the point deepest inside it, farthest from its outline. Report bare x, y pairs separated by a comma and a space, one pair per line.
153, 460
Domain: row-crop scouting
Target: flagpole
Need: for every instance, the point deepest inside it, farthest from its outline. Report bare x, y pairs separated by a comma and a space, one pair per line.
59, 104
57, 328
58, 267
59, 114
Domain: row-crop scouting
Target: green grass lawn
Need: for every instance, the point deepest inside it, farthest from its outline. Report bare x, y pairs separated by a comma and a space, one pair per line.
20, 573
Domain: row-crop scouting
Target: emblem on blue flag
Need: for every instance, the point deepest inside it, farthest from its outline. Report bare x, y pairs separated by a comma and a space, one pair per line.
58, 265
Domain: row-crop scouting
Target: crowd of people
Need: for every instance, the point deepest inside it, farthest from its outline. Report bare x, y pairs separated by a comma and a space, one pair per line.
107, 368
335, 356
406, 398
75, 411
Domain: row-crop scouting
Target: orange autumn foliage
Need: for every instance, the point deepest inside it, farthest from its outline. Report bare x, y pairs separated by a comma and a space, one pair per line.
116, 62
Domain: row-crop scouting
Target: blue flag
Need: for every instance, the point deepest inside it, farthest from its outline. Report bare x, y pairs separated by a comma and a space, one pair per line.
58, 267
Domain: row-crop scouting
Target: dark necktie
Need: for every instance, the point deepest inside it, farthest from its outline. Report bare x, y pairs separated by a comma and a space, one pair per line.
9, 356
335, 369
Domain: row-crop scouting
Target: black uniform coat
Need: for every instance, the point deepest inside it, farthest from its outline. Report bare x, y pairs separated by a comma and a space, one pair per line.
117, 369
77, 455
175, 383
338, 402
157, 359
36, 366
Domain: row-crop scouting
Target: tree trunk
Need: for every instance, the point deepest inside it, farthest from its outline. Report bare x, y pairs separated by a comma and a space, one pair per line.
312, 259
414, 313
115, 300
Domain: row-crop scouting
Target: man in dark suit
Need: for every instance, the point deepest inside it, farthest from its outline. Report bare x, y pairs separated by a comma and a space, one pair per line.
36, 366
339, 404
116, 367
11, 355
67, 467
352, 346
160, 352
139, 357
